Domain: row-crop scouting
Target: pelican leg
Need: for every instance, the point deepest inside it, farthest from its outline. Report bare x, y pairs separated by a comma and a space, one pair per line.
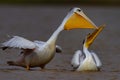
42, 67
98, 69
27, 67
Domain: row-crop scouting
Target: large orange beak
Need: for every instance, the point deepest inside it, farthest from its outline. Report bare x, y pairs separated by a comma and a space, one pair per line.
79, 20
91, 37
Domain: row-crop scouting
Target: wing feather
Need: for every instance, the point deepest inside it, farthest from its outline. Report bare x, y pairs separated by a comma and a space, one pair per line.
97, 60
19, 42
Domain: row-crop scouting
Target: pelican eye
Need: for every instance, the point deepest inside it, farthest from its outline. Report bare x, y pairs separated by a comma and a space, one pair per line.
78, 10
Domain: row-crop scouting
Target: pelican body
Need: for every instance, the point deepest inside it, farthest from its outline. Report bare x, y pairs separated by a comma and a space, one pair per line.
86, 60
39, 53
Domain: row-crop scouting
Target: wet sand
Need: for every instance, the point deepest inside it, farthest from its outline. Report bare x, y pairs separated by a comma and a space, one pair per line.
39, 22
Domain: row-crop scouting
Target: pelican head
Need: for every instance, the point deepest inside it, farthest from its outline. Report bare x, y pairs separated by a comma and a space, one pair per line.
77, 19
91, 37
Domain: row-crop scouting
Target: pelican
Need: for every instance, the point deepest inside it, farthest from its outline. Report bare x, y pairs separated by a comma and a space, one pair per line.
88, 60
39, 53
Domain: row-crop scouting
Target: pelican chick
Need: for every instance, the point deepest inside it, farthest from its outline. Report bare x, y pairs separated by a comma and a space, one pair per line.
39, 53
87, 60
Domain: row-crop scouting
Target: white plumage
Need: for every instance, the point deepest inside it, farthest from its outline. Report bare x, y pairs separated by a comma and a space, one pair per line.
19, 42
96, 58
86, 61
77, 59
32, 52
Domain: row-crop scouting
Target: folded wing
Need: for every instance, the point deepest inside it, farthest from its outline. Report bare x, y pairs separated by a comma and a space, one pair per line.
40, 43
97, 60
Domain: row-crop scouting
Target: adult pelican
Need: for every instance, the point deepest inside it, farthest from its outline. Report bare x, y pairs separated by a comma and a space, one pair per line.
87, 61
39, 53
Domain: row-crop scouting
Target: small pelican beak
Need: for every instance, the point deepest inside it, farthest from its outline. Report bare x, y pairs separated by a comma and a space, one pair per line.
77, 19
91, 37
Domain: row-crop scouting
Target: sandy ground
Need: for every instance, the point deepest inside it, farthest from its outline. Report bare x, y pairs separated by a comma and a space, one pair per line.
39, 22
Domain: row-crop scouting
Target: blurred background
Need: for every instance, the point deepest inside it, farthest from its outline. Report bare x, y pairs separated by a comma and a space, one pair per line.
96, 2
38, 19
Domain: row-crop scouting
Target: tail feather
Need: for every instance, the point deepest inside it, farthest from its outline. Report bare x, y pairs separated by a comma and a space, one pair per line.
13, 63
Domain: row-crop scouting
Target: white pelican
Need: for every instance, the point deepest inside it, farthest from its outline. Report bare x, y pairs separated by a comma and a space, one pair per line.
39, 53
87, 61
